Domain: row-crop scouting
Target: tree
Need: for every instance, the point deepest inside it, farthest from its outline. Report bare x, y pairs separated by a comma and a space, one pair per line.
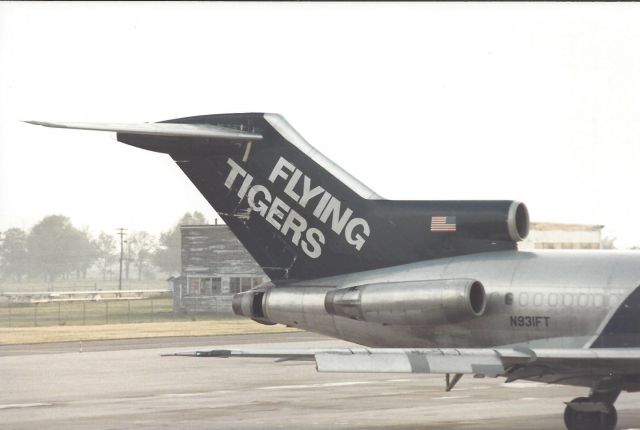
84, 252
608, 243
105, 247
141, 246
14, 255
57, 248
167, 257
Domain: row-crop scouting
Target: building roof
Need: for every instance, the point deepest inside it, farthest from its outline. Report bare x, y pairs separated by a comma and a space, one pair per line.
549, 226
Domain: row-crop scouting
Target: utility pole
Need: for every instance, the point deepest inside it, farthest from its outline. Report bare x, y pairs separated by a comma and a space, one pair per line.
1, 287
121, 233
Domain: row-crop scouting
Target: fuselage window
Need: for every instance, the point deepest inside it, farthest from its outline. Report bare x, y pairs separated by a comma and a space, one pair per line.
508, 299
567, 300
538, 299
523, 299
583, 300
598, 300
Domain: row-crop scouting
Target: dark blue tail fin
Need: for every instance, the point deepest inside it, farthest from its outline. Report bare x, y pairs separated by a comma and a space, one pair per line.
300, 215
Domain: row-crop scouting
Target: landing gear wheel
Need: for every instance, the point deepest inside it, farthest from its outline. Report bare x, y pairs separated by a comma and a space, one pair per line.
582, 420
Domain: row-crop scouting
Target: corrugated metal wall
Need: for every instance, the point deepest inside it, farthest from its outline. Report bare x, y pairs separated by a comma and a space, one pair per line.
211, 251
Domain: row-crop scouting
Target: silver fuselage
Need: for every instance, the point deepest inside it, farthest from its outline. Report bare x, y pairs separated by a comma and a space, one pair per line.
551, 299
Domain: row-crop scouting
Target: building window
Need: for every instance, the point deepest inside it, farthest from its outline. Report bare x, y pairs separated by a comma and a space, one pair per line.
239, 284
198, 286
202, 286
234, 285
193, 286
217, 285
205, 287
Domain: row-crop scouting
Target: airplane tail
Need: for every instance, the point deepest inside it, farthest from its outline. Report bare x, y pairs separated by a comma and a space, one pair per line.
299, 214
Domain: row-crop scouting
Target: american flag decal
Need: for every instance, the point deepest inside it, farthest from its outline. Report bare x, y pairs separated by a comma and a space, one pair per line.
443, 223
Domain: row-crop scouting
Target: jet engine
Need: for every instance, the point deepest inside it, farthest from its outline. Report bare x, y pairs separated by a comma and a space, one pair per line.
410, 303
250, 304
517, 221
508, 220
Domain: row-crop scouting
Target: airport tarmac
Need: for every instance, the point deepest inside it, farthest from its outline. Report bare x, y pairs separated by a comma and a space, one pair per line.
127, 385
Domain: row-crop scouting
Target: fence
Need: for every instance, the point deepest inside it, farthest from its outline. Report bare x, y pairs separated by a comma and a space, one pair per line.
94, 312
31, 286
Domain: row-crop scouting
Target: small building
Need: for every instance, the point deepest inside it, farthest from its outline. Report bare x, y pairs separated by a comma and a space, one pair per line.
547, 235
215, 266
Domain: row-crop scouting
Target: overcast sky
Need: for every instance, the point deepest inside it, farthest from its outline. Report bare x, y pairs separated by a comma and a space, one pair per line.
532, 102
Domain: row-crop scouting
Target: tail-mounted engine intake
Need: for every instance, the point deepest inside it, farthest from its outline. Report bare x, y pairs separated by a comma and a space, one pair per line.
518, 221
410, 303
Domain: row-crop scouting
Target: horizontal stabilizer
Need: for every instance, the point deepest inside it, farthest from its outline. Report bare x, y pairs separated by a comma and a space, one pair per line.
410, 361
287, 354
511, 362
159, 129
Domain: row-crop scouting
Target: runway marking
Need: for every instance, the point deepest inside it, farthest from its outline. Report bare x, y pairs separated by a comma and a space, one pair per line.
24, 405
202, 393
470, 388
327, 384
334, 384
523, 384
340, 384
449, 397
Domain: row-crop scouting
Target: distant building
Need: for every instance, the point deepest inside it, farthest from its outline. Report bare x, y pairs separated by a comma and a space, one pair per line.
215, 266
546, 235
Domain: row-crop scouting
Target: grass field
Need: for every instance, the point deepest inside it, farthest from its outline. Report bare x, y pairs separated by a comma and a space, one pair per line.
61, 321
22, 335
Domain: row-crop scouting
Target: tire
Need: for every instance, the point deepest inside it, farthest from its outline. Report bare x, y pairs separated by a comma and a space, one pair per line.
609, 420
577, 420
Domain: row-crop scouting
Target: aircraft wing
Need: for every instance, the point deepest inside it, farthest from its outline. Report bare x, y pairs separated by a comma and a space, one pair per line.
549, 365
